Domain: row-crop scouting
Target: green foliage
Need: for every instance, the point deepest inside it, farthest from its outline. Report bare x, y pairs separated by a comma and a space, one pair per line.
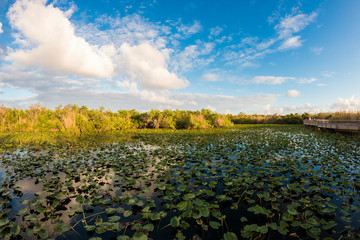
81, 120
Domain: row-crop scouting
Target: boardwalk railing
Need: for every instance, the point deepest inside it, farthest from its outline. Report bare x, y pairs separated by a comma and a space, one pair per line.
341, 125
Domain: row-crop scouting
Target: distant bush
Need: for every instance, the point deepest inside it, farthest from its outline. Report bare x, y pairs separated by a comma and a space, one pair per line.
74, 119
267, 119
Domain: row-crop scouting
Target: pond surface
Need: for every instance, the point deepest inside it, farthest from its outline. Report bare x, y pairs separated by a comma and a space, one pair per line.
258, 182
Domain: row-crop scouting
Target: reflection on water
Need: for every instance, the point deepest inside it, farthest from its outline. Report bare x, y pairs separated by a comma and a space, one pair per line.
86, 173
89, 187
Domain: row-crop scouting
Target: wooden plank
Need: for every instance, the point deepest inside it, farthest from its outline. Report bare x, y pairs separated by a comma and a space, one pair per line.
342, 125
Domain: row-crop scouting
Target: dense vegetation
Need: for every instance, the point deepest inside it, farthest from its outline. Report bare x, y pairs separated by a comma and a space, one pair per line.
245, 182
74, 119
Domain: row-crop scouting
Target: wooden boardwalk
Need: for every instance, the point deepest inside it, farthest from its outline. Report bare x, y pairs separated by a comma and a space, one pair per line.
338, 125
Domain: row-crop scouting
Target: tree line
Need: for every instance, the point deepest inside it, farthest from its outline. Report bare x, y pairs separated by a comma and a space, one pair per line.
75, 119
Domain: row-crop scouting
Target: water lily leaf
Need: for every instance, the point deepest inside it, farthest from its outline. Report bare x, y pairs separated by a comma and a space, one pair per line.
282, 230
216, 214
315, 232
262, 229
61, 227
114, 218
313, 222
139, 236
149, 227
98, 221
128, 213
3, 221
43, 234
79, 199
189, 196
100, 229
292, 211
15, 230
32, 217
230, 236
110, 210
204, 212
287, 217
181, 187
22, 211
40, 208
106, 201
346, 219
175, 221
123, 237
154, 216
214, 225
273, 226
55, 203
182, 205
329, 225
95, 238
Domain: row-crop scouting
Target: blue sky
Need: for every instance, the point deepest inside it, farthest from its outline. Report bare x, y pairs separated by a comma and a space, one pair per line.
228, 56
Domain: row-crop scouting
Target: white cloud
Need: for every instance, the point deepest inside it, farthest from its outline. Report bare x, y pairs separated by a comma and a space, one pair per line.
292, 42
293, 93
211, 108
191, 56
294, 23
251, 49
269, 80
343, 104
148, 66
265, 44
215, 31
188, 30
316, 50
286, 109
143, 100
210, 77
55, 44
159, 98
22, 77
1, 31
327, 74
306, 80
132, 29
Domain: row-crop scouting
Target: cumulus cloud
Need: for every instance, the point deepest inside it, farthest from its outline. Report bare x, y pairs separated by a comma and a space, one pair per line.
148, 66
55, 45
293, 93
269, 80
291, 24
292, 42
1, 31
343, 104
143, 100
287, 109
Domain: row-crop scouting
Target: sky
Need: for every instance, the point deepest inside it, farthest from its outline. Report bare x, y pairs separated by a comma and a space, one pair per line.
230, 56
